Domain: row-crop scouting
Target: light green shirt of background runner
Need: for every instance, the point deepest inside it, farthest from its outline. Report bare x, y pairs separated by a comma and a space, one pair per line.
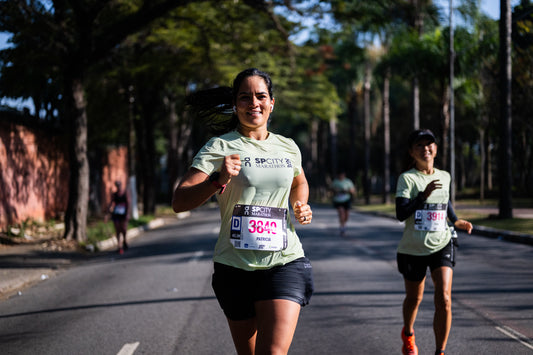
345, 186
416, 242
268, 168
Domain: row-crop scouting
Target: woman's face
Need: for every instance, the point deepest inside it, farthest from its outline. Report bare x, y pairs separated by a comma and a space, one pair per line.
423, 151
254, 104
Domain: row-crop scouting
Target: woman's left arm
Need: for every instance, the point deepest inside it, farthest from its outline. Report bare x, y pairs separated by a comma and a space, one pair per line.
458, 223
298, 198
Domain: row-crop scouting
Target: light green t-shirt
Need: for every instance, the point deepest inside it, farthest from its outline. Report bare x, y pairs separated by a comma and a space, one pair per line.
268, 168
424, 242
342, 190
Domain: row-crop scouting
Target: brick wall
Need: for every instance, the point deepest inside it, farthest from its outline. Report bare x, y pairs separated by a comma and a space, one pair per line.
34, 174
115, 167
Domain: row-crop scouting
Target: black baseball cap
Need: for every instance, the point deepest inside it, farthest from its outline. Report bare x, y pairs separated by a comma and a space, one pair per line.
417, 135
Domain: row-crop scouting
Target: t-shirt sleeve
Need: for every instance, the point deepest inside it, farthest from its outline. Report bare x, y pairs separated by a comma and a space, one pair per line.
402, 188
210, 157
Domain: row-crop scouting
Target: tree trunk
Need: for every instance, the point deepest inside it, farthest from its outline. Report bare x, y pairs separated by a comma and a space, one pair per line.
418, 25
148, 163
505, 166
333, 147
132, 156
313, 163
416, 104
483, 161
490, 180
323, 166
446, 115
366, 108
386, 137
352, 117
78, 200
172, 151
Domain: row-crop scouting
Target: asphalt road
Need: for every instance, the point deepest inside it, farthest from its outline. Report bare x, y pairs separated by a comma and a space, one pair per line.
157, 298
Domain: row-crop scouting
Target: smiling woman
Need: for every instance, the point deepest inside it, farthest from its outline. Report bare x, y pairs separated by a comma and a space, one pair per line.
253, 107
262, 277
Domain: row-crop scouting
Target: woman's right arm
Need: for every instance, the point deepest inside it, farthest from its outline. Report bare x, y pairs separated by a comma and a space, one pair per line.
193, 190
406, 207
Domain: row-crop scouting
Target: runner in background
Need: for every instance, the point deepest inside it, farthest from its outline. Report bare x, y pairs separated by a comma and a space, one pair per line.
119, 209
423, 202
261, 275
343, 193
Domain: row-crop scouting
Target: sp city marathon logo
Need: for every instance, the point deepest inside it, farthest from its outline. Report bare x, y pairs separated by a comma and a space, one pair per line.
267, 163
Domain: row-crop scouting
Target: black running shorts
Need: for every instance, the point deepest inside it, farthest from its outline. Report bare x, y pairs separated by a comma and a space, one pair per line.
237, 290
414, 267
346, 205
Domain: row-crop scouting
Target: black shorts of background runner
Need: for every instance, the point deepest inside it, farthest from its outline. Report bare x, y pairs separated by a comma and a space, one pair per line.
237, 290
346, 205
414, 267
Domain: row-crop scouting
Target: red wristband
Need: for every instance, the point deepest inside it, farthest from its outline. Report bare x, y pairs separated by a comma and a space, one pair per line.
219, 186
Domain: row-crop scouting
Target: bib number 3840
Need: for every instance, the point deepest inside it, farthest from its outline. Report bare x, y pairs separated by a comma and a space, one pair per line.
259, 228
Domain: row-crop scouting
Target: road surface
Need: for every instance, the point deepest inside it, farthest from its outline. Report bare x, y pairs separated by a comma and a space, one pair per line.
157, 297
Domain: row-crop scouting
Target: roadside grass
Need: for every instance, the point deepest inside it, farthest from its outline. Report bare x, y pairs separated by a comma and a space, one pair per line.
471, 210
99, 230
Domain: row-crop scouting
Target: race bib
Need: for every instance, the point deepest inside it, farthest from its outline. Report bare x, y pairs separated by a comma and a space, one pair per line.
431, 218
259, 228
342, 197
120, 209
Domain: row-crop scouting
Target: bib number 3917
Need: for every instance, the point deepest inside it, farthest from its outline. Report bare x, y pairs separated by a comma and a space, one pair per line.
259, 228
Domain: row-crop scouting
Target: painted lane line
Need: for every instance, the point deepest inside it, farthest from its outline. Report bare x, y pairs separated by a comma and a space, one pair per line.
128, 349
511, 333
197, 255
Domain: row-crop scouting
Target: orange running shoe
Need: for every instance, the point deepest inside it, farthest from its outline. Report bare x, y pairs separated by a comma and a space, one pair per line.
409, 347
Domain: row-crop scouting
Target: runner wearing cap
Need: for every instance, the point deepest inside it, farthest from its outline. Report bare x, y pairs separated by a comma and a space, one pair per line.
423, 202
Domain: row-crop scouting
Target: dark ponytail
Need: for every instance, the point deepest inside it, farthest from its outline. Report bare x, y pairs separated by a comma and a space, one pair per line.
215, 106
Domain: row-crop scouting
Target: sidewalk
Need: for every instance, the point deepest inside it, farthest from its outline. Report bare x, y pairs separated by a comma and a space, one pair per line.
25, 265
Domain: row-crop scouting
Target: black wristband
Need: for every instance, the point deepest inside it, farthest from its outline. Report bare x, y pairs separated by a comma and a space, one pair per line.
214, 180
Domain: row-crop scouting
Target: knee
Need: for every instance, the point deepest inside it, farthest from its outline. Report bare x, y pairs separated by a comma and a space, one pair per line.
443, 301
413, 300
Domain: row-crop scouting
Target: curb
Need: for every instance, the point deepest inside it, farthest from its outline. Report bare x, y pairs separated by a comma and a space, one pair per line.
111, 242
483, 231
132, 233
503, 235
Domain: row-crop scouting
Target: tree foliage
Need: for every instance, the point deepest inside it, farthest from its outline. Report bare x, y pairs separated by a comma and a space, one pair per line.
120, 70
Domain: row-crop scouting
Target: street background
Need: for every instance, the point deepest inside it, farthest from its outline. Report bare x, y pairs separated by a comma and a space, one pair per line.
157, 297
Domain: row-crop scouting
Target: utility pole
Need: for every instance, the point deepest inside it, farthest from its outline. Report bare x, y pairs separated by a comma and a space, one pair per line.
505, 166
452, 109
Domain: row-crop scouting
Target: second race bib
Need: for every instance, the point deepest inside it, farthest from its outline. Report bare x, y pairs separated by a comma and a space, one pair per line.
431, 218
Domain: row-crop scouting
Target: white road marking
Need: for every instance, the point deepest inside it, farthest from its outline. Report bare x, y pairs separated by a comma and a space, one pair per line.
511, 333
197, 255
128, 349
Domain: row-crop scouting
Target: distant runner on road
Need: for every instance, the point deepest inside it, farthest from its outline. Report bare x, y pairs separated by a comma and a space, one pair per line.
343, 192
